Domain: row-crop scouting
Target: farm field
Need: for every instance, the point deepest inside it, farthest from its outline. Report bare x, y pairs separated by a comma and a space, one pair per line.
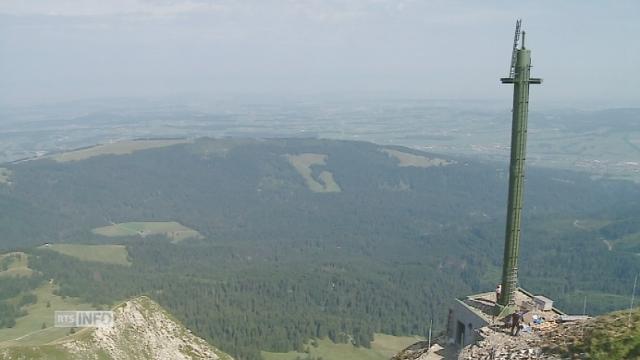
117, 148
382, 348
303, 163
110, 254
171, 229
407, 159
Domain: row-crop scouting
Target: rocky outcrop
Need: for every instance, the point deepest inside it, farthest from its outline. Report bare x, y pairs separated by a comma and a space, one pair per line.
498, 344
142, 330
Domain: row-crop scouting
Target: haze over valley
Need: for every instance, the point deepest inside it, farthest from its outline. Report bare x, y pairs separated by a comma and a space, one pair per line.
603, 142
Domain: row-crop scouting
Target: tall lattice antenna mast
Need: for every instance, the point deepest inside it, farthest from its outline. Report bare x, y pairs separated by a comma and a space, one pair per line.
516, 39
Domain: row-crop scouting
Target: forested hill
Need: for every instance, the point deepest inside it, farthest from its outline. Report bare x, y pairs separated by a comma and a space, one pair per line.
251, 190
262, 244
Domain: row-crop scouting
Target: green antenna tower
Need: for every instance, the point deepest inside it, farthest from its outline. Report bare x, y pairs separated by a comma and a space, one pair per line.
519, 76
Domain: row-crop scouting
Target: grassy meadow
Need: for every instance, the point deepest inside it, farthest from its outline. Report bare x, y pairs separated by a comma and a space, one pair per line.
29, 329
171, 229
382, 348
303, 163
17, 264
110, 254
117, 148
406, 159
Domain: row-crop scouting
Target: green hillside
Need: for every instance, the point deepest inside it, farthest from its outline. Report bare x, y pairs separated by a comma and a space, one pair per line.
141, 330
35, 327
287, 253
110, 254
614, 336
383, 347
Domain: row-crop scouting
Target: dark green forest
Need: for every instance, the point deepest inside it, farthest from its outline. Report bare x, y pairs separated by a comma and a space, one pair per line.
279, 264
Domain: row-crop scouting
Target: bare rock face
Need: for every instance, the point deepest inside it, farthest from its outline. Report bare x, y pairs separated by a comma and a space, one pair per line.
498, 344
142, 330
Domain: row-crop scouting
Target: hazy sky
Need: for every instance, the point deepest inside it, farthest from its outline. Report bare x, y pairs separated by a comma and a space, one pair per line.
67, 49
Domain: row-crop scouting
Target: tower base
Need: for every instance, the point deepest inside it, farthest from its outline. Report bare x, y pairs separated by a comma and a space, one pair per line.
470, 313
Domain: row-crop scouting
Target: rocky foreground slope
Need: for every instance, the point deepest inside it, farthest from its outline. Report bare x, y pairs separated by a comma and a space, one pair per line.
142, 330
614, 336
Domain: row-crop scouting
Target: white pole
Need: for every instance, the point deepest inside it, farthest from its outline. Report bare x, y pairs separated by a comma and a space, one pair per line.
584, 312
633, 295
430, 326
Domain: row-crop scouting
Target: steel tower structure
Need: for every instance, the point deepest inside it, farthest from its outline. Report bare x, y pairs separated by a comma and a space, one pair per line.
519, 76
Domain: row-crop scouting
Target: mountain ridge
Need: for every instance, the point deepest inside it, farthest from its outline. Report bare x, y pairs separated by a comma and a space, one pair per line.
142, 330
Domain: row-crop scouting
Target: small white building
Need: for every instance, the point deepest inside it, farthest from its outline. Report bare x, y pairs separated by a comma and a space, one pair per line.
470, 313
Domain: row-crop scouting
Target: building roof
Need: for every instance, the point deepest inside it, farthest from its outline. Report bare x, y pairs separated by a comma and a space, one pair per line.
483, 305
